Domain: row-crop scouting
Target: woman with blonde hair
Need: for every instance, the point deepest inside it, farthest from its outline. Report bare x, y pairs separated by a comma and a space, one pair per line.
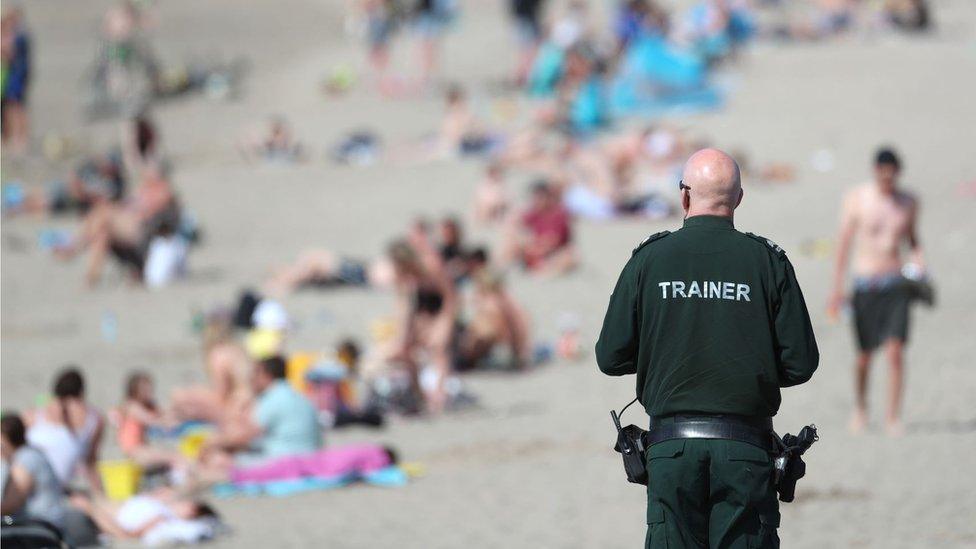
427, 311
228, 395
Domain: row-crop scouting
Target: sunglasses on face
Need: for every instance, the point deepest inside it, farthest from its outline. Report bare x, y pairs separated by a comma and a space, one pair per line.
682, 186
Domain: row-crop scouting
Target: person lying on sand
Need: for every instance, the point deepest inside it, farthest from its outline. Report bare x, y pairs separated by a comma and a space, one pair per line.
825, 19
97, 179
318, 268
151, 517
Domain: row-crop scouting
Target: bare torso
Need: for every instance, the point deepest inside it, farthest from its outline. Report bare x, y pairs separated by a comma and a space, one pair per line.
882, 225
227, 366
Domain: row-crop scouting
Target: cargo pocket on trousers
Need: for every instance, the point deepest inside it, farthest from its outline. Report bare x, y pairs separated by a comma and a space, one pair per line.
657, 534
666, 449
661, 463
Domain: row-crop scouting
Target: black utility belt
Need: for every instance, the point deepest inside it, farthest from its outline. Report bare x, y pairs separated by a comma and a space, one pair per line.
755, 431
788, 467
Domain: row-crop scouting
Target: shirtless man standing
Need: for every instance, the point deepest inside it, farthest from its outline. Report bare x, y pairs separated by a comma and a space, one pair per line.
878, 219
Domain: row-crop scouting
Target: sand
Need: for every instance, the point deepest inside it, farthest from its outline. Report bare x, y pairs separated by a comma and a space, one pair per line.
532, 466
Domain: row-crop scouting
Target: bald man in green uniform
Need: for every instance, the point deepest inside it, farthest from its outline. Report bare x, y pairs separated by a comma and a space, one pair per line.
713, 323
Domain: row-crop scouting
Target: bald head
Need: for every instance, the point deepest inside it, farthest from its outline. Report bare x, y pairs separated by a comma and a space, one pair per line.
715, 187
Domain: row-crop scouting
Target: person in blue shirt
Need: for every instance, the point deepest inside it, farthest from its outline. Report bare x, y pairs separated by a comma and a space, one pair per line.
287, 421
283, 422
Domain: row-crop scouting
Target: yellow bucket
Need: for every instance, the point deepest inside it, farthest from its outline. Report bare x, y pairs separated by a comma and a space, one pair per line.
120, 478
191, 444
298, 364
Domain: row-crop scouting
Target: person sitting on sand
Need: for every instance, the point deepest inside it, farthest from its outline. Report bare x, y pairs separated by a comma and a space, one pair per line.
427, 309
714, 29
541, 237
160, 517
68, 430
461, 131
491, 198
33, 490
498, 323
136, 415
635, 19
282, 422
590, 186
334, 388
124, 229
275, 142
907, 15
453, 251
227, 398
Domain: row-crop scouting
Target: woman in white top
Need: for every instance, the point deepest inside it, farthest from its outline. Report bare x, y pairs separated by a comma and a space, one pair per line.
68, 431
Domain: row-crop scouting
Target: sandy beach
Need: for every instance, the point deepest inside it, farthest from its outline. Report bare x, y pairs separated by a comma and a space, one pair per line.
531, 465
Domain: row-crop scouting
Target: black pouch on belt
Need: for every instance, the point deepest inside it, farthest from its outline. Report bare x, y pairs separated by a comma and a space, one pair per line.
789, 466
630, 444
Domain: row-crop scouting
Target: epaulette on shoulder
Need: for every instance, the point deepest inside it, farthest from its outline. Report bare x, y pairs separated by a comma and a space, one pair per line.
772, 245
652, 238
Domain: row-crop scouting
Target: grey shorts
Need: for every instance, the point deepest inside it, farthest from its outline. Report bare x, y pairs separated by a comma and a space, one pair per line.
881, 311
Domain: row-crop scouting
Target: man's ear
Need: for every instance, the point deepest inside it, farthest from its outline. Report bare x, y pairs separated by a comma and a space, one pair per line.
686, 201
742, 192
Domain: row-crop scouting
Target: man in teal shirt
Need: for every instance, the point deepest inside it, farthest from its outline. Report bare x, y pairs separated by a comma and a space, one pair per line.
287, 421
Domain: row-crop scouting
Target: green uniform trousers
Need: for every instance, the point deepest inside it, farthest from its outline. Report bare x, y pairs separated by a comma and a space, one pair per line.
717, 494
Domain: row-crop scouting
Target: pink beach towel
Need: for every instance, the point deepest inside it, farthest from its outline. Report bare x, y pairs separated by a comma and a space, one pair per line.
328, 463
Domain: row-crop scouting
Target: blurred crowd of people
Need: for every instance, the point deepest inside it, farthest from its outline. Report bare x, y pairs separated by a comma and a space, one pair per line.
265, 403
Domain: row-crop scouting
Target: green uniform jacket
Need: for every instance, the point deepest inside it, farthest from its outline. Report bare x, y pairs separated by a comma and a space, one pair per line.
711, 320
